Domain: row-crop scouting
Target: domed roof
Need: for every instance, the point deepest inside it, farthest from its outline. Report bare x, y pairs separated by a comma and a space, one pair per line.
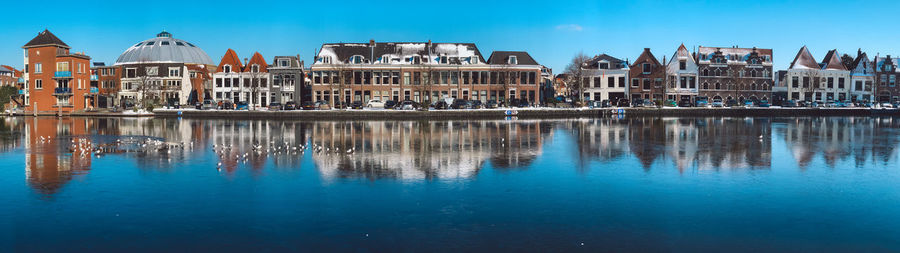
164, 49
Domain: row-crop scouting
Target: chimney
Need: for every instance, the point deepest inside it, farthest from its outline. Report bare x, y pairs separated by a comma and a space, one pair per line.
245, 61
371, 43
428, 47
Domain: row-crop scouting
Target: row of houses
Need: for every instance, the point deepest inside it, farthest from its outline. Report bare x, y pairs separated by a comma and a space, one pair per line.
737, 73
164, 70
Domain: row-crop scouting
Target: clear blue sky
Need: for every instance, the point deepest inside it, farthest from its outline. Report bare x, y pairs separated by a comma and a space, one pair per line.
551, 31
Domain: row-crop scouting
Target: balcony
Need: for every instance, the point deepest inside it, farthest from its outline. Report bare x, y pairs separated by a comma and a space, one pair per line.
62, 74
62, 91
94, 90
94, 78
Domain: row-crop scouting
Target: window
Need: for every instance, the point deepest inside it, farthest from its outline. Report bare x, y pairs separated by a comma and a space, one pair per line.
356, 59
513, 60
152, 71
406, 78
635, 82
178, 43
603, 65
254, 68
646, 68
416, 60
164, 43
38, 84
859, 85
174, 72
610, 82
226, 69
443, 59
682, 65
840, 83
831, 82
646, 83
62, 66
795, 82
326, 59
473, 60
284, 63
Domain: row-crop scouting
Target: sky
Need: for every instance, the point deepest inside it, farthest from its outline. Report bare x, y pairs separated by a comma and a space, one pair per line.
551, 31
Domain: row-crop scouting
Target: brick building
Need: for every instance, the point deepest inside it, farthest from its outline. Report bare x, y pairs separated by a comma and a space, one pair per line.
56, 80
105, 83
647, 75
886, 76
735, 73
421, 72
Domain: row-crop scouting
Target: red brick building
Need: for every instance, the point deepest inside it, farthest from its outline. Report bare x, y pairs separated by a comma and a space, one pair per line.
56, 80
105, 84
647, 75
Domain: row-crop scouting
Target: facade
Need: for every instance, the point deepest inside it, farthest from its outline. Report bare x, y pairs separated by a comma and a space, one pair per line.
886, 76
9, 76
421, 72
157, 70
605, 78
238, 82
647, 76
105, 83
811, 81
682, 76
862, 78
56, 80
735, 73
287, 80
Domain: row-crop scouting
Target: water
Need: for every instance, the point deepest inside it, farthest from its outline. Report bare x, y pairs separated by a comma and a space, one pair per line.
628, 184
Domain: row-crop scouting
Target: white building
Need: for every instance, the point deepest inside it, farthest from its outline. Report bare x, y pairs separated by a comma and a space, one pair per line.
605, 79
238, 82
862, 78
681, 76
811, 81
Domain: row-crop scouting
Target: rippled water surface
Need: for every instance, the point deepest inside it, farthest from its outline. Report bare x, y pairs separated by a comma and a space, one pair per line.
626, 184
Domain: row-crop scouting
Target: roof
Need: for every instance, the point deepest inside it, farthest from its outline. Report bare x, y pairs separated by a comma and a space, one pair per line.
230, 58
45, 38
502, 57
15, 71
397, 50
593, 63
735, 50
832, 61
645, 56
164, 49
804, 60
859, 57
258, 60
293, 62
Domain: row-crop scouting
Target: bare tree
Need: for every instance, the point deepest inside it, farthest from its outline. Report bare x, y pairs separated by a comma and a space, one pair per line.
340, 80
576, 73
257, 85
426, 86
504, 77
812, 86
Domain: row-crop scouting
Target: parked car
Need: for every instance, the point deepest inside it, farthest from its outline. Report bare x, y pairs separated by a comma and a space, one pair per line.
803, 103
622, 102
748, 103
242, 105
375, 103
594, 104
407, 105
731, 103
701, 103
789, 104
322, 105
886, 105
440, 105
475, 104
649, 103
670, 103
605, 103
227, 105
289, 105
522, 103
207, 105
637, 102
459, 104
356, 104
717, 103
685, 103
763, 103
274, 106
491, 104
390, 104
308, 105
896, 104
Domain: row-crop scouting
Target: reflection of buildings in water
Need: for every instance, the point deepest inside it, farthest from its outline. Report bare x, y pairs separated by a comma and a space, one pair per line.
236, 138
11, 133
704, 143
49, 163
422, 149
839, 138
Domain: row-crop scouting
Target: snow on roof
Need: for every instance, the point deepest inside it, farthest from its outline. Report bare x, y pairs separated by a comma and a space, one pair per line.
804, 60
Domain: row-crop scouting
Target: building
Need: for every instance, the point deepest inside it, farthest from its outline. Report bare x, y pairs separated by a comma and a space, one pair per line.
647, 75
811, 81
287, 80
546, 85
862, 78
421, 72
886, 76
154, 71
735, 73
605, 78
9, 76
247, 82
682, 76
105, 83
56, 80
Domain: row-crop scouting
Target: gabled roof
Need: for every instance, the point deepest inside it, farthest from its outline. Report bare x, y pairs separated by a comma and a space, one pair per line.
15, 71
859, 57
230, 58
682, 51
293, 61
256, 59
804, 60
833, 61
645, 56
593, 63
502, 57
45, 38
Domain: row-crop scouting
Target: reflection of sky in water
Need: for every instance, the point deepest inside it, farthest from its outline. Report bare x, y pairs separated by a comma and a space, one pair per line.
696, 184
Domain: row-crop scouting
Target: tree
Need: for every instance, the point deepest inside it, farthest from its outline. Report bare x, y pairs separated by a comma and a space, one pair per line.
426, 85
810, 88
504, 75
847, 60
576, 73
340, 79
257, 85
734, 80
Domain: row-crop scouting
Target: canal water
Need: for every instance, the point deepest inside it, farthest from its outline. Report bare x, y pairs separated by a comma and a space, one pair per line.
607, 184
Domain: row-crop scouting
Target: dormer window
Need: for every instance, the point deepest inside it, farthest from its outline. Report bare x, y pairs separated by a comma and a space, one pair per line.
386, 59
754, 61
284, 63
416, 59
164, 43
227, 68
473, 60
325, 59
356, 59
603, 65
254, 68
513, 60
444, 59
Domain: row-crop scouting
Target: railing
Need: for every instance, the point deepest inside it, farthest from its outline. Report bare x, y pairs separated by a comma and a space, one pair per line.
94, 78
94, 90
62, 90
62, 74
